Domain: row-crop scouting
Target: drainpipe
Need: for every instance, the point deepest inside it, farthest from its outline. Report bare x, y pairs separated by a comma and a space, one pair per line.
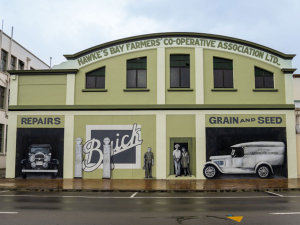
8, 75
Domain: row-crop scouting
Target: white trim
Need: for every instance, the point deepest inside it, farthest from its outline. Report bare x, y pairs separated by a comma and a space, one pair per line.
14, 83
289, 91
70, 93
137, 164
69, 147
161, 76
200, 145
11, 146
199, 84
161, 145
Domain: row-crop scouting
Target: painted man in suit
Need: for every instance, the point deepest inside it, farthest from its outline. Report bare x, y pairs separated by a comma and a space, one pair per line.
148, 163
177, 157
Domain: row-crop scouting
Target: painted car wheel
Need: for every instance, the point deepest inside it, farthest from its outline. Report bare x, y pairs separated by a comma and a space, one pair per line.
24, 175
210, 171
54, 175
263, 171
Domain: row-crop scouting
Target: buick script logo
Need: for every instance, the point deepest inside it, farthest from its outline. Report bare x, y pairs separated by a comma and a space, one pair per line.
125, 146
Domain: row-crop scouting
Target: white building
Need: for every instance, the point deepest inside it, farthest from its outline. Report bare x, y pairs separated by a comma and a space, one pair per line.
18, 58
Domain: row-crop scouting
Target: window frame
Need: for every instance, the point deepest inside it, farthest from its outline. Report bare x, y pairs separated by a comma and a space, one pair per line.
22, 67
264, 71
88, 74
223, 71
179, 67
3, 61
132, 61
11, 60
2, 97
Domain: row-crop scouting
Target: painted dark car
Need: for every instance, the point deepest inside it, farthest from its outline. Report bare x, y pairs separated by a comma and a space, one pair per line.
39, 161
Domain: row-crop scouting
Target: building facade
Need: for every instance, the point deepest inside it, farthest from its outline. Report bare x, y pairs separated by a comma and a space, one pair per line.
15, 57
201, 102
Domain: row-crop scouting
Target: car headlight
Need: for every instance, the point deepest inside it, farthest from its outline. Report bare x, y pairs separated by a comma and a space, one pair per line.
32, 158
47, 158
33, 164
45, 164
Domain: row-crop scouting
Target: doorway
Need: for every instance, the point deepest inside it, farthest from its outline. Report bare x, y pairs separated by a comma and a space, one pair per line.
188, 144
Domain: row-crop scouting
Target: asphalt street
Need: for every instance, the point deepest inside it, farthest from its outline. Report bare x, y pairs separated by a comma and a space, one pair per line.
149, 208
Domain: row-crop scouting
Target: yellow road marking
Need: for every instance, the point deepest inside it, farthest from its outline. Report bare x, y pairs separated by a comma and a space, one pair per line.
235, 218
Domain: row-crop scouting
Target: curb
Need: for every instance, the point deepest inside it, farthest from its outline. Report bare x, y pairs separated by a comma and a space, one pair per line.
148, 191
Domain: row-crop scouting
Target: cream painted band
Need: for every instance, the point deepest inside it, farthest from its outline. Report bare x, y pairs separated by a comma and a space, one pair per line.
161, 80
160, 157
13, 95
161, 137
69, 147
289, 91
199, 84
70, 89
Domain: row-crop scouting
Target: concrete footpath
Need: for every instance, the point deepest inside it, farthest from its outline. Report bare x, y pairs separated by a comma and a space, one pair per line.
150, 185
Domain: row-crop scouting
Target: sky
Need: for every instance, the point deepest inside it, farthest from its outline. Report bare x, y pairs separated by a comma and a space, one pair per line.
52, 28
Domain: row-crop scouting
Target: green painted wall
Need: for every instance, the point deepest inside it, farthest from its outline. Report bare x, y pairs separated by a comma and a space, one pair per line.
148, 135
244, 81
180, 97
42, 90
115, 82
181, 126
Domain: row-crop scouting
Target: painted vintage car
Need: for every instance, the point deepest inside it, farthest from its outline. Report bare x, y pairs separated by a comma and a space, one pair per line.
39, 161
247, 158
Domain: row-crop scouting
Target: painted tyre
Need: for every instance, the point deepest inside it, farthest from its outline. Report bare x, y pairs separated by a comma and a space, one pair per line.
263, 171
54, 175
210, 171
24, 175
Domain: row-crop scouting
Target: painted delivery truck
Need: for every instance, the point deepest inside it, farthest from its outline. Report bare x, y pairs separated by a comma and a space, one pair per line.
247, 158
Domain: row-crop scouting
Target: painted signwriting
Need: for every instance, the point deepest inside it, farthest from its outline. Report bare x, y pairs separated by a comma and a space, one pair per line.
245, 120
41, 121
236, 120
179, 41
38, 120
125, 141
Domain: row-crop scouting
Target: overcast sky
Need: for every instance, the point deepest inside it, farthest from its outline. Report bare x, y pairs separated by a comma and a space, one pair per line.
56, 27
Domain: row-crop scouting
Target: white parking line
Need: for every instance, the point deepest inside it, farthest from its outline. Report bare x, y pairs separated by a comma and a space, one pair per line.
9, 212
288, 213
132, 196
4, 191
272, 193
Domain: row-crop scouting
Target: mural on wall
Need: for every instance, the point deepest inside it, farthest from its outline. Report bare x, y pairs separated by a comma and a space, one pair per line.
181, 161
240, 152
148, 163
125, 145
39, 153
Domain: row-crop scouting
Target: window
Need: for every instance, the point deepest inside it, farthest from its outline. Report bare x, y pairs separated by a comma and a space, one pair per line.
223, 73
2, 99
96, 78
21, 65
12, 63
237, 152
3, 60
263, 78
179, 71
137, 73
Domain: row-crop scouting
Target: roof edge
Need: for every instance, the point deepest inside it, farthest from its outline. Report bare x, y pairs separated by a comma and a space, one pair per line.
45, 72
